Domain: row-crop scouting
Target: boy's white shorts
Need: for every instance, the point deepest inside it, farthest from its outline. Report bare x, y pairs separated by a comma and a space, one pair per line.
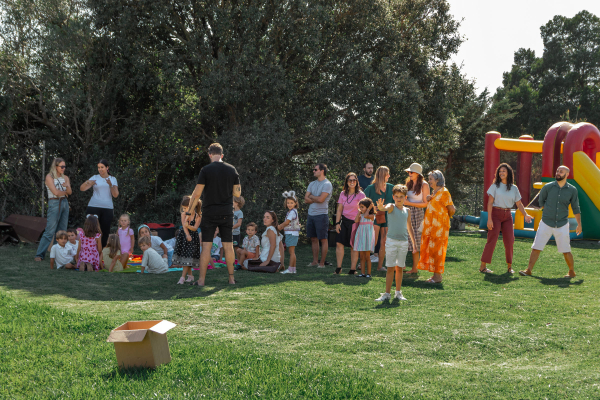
395, 253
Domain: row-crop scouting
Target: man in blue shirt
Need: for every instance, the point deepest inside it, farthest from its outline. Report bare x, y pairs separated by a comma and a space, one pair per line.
555, 198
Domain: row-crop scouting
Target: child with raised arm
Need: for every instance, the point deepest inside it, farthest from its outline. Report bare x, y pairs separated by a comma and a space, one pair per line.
151, 259
291, 228
400, 230
187, 245
61, 253
238, 217
250, 247
90, 245
126, 238
364, 239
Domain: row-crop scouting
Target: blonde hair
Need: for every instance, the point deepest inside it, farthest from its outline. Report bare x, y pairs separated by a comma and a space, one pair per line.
145, 240
379, 179
114, 245
128, 219
53, 172
240, 201
61, 235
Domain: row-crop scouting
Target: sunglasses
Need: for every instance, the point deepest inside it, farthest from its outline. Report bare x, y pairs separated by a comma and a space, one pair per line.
91, 215
351, 180
62, 166
316, 169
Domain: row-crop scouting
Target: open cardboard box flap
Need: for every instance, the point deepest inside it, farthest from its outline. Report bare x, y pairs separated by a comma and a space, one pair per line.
135, 331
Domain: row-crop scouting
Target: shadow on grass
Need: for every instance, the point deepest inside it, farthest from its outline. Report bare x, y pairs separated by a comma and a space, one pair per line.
500, 279
559, 282
136, 374
388, 304
412, 280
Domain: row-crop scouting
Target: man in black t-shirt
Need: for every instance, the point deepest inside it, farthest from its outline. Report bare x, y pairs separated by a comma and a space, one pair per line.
219, 182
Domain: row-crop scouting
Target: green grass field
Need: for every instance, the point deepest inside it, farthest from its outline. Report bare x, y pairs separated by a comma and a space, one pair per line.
310, 335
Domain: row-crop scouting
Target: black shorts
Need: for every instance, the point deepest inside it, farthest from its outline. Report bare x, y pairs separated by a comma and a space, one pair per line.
210, 223
345, 232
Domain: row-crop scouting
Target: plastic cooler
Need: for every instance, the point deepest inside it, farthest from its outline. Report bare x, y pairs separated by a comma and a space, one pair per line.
165, 231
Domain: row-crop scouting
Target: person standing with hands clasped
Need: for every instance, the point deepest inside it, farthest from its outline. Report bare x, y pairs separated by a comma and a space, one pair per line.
317, 196
503, 195
555, 198
400, 230
101, 204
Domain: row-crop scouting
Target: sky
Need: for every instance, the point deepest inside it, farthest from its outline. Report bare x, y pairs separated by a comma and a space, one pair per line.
494, 30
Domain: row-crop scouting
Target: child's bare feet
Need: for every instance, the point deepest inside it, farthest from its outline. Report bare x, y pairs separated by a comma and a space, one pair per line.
571, 274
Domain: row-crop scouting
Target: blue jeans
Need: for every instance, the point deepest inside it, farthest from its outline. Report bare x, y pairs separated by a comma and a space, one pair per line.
170, 257
57, 220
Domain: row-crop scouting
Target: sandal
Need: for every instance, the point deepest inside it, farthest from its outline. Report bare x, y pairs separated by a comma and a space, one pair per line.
525, 273
430, 280
486, 271
351, 272
337, 271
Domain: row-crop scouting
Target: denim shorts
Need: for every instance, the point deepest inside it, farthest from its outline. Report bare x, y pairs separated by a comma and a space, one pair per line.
291, 240
317, 226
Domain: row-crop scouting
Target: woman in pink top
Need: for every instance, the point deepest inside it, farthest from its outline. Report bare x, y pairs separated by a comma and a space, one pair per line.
346, 213
126, 237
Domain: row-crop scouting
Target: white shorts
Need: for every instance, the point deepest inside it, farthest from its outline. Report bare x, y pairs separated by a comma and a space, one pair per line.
561, 235
395, 252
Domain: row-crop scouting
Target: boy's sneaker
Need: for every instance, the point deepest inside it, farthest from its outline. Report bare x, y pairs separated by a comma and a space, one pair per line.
399, 296
384, 297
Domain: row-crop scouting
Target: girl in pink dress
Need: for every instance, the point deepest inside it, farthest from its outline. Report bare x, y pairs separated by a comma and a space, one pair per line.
90, 246
127, 239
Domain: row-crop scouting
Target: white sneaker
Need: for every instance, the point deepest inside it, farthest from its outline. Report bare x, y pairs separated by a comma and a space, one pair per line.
399, 296
287, 271
384, 296
374, 258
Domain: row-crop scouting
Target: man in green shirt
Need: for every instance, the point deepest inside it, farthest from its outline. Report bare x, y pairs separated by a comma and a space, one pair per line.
555, 198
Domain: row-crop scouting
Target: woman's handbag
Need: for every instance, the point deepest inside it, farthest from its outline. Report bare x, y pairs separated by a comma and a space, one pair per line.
272, 267
380, 217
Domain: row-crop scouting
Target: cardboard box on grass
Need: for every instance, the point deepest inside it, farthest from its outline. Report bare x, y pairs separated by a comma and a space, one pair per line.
141, 343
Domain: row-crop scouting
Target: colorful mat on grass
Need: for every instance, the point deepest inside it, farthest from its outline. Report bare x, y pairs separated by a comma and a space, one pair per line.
135, 265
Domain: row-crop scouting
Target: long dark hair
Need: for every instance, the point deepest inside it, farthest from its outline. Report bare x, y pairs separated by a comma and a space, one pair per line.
91, 226
418, 186
275, 224
510, 176
105, 163
357, 188
367, 202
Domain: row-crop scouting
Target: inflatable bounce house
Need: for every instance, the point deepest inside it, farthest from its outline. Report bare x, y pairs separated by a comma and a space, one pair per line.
579, 146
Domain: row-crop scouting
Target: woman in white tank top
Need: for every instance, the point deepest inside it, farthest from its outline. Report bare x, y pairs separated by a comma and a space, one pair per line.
59, 187
416, 201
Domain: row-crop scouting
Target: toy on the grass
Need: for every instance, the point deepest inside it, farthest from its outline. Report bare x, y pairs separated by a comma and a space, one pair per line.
579, 145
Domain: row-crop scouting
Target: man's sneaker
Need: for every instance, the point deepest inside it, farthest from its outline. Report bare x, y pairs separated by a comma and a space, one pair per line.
374, 258
384, 297
399, 296
361, 276
287, 271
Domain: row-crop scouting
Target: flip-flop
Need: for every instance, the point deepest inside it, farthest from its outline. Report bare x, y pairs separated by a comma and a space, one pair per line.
430, 280
524, 273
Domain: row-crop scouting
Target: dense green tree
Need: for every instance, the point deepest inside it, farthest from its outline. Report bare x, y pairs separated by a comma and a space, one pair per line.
563, 83
282, 85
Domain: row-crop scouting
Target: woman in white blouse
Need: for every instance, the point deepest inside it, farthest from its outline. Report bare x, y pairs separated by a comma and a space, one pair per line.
503, 195
271, 246
59, 187
101, 205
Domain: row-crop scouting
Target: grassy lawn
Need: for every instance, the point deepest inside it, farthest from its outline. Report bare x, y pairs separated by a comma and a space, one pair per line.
310, 335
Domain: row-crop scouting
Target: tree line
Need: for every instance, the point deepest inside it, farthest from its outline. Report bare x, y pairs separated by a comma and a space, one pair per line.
150, 84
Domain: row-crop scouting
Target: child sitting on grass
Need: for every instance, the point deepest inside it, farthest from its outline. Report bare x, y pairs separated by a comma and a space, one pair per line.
158, 244
400, 230
238, 217
151, 260
73, 242
90, 246
111, 254
61, 254
250, 247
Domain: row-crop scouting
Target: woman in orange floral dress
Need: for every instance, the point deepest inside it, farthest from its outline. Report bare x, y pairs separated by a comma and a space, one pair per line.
436, 227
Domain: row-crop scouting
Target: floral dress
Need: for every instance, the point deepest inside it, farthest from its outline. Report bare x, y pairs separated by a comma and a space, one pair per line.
436, 228
89, 250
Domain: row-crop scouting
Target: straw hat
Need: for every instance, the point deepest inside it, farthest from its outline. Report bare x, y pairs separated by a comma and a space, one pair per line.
415, 167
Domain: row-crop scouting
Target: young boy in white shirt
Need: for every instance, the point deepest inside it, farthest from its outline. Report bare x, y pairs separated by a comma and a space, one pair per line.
61, 254
73, 242
151, 260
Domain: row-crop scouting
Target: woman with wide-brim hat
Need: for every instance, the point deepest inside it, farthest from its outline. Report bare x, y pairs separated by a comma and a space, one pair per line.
416, 201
